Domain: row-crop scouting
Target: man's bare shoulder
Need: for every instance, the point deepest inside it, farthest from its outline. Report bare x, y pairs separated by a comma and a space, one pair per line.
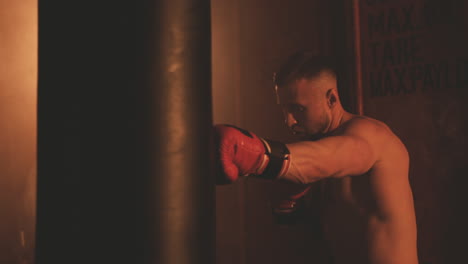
376, 133
364, 126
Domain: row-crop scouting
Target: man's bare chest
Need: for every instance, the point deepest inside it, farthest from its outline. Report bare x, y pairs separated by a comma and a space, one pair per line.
352, 193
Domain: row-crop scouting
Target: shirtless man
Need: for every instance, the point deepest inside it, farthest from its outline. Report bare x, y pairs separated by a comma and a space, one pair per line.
367, 210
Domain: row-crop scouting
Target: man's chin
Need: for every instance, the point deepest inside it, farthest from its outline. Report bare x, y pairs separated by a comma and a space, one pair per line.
315, 137
308, 137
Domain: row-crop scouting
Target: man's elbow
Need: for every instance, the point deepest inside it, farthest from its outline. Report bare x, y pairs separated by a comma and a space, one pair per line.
295, 175
306, 173
306, 180
316, 174
338, 173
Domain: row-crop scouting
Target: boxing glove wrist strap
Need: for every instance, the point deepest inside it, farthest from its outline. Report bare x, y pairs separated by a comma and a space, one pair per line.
277, 160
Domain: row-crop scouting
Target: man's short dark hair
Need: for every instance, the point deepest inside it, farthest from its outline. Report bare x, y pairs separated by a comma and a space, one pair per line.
304, 64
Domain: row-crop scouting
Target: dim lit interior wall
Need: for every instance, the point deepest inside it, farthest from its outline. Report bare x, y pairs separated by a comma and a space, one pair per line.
271, 31
249, 41
18, 59
225, 34
415, 78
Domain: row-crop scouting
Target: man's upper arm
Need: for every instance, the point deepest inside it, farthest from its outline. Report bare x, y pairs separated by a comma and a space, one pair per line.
352, 153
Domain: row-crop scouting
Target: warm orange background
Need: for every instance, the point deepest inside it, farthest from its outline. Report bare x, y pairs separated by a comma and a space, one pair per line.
18, 94
249, 41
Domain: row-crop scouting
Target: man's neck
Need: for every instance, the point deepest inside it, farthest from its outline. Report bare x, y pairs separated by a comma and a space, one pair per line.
339, 116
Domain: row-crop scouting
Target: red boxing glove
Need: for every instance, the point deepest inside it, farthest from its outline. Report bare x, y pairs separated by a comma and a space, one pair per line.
241, 153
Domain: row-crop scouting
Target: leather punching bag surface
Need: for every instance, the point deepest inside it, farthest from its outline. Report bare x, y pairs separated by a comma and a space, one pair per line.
183, 191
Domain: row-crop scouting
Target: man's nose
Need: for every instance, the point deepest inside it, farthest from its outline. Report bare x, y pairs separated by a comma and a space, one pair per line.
290, 120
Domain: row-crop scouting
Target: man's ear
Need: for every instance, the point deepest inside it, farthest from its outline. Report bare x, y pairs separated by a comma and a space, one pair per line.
332, 98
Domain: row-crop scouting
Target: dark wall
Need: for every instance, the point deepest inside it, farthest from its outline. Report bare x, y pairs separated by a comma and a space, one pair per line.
250, 40
415, 76
414, 63
18, 95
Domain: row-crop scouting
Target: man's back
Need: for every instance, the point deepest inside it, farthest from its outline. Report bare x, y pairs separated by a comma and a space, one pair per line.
369, 218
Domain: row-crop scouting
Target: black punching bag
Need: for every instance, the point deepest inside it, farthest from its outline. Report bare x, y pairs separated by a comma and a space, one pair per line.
182, 194
124, 133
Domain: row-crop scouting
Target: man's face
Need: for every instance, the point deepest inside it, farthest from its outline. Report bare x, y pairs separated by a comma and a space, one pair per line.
305, 107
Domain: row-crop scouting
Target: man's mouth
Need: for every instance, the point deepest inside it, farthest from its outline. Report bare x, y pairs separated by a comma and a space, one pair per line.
297, 130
